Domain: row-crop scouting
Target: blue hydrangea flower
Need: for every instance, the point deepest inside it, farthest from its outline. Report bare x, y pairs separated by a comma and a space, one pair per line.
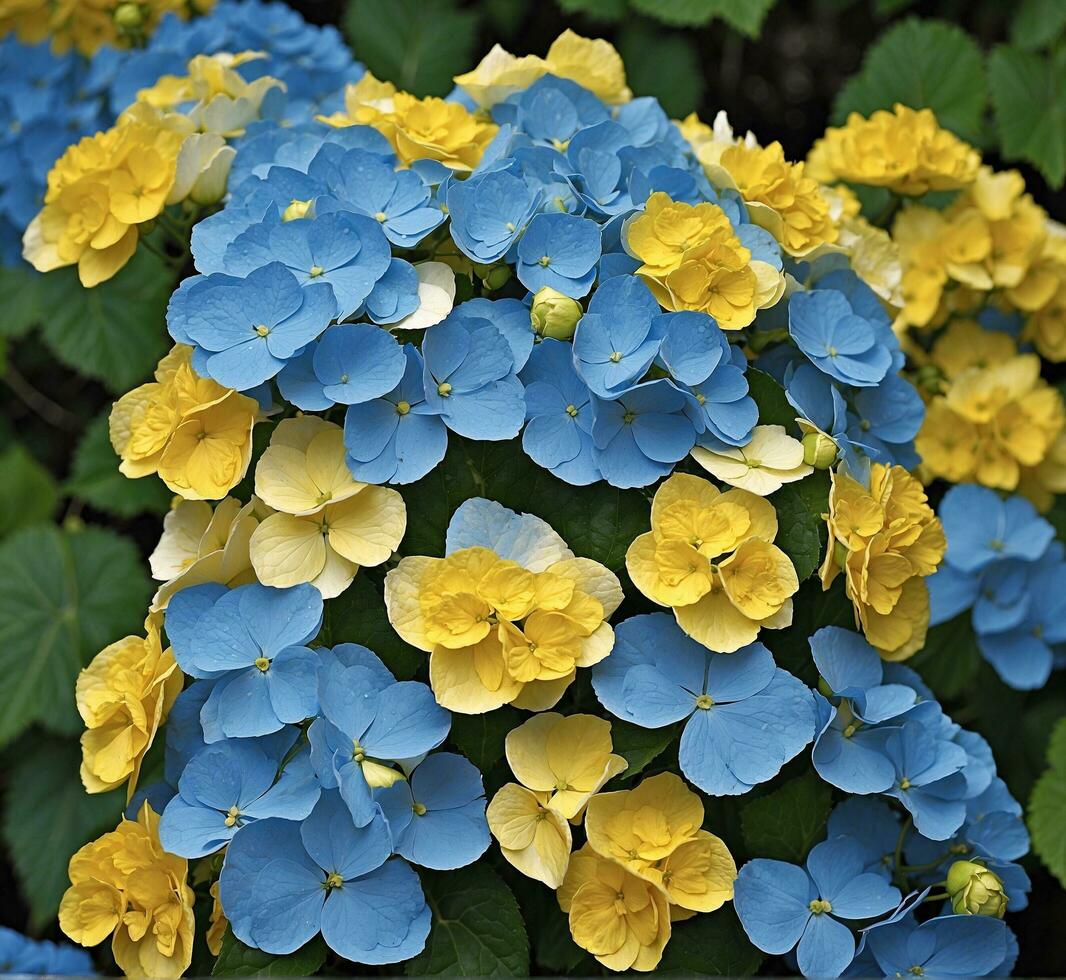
838, 342
874, 825
395, 294
470, 378
38, 957
558, 433
615, 341
511, 318
437, 816
885, 419
244, 331
348, 251
368, 721
396, 438
981, 527
228, 786
551, 111
560, 251
284, 882
489, 212
639, 436
783, 907
251, 641
745, 716
947, 946
596, 169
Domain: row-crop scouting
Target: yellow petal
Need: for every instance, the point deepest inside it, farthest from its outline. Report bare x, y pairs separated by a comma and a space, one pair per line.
542, 695
534, 839
368, 527
699, 875
287, 550
716, 623
593, 579
526, 748
403, 587
457, 682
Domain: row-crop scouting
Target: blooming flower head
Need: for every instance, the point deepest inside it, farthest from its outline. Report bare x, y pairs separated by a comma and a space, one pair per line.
123, 697
507, 616
947, 946
326, 524
766, 463
905, 150
124, 885
885, 539
532, 836
710, 557
692, 260
194, 433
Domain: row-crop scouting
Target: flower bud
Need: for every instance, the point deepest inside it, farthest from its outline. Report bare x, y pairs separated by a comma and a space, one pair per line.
819, 450
128, 16
493, 276
974, 890
553, 314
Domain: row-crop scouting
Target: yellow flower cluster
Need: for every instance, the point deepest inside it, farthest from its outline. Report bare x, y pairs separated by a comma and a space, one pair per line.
89, 24
995, 420
593, 64
417, 129
905, 150
123, 696
322, 524
692, 260
124, 885
559, 762
710, 557
500, 633
194, 433
886, 539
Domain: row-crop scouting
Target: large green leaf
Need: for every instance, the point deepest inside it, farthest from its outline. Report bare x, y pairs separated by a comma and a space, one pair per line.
710, 945
1029, 97
419, 45
923, 64
640, 747
63, 597
22, 289
237, 960
481, 737
1037, 23
801, 530
94, 477
477, 928
769, 396
745, 16
785, 824
28, 492
115, 332
47, 816
608, 10
1047, 807
950, 658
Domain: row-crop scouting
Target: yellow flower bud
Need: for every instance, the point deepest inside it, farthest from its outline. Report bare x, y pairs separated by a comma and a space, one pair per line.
819, 450
128, 16
554, 315
974, 890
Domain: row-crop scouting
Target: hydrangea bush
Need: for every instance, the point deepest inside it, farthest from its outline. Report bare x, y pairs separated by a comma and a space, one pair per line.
560, 490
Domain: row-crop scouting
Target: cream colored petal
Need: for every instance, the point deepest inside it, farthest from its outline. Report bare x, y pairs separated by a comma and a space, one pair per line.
287, 551
593, 579
368, 527
458, 687
526, 748
542, 695
282, 481
183, 527
327, 468
436, 296
336, 575
403, 585
297, 432
596, 647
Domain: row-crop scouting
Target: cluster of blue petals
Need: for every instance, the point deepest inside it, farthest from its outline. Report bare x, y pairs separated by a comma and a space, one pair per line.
39, 957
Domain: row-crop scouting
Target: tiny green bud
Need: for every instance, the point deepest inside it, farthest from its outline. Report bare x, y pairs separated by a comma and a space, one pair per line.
493, 276
129, 16
819, 450
974, 890
929, 378
553, 314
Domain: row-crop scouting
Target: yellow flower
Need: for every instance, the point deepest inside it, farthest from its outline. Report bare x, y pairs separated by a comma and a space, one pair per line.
124, 885
710, 557
200, 544
500, 633
194, 433
566, 758
905, 150
621, 919
216, 927
886, 539
692, 260
417, 129
771, 459
123, 697
326, 524
500, 74
533, 837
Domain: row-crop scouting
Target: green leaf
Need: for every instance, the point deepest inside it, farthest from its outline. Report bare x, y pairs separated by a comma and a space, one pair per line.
801, 530
237, 960
786, 823
640, 746
745, 16
22, 289
481, 737
607, 10
94, 477
663, 65
477, 928
949, 660
28, 492
923, 64
1047, 807
710, 945
419, 45
358, 615
47, 816
63, 597
1036, 23
115, 332
769, 396
1029, 98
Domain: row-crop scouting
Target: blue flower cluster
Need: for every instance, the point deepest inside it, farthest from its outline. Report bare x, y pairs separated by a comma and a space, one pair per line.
1004, 564
38, 957
314, 769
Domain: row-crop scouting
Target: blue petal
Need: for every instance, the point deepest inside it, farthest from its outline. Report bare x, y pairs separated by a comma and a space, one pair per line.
771, 899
